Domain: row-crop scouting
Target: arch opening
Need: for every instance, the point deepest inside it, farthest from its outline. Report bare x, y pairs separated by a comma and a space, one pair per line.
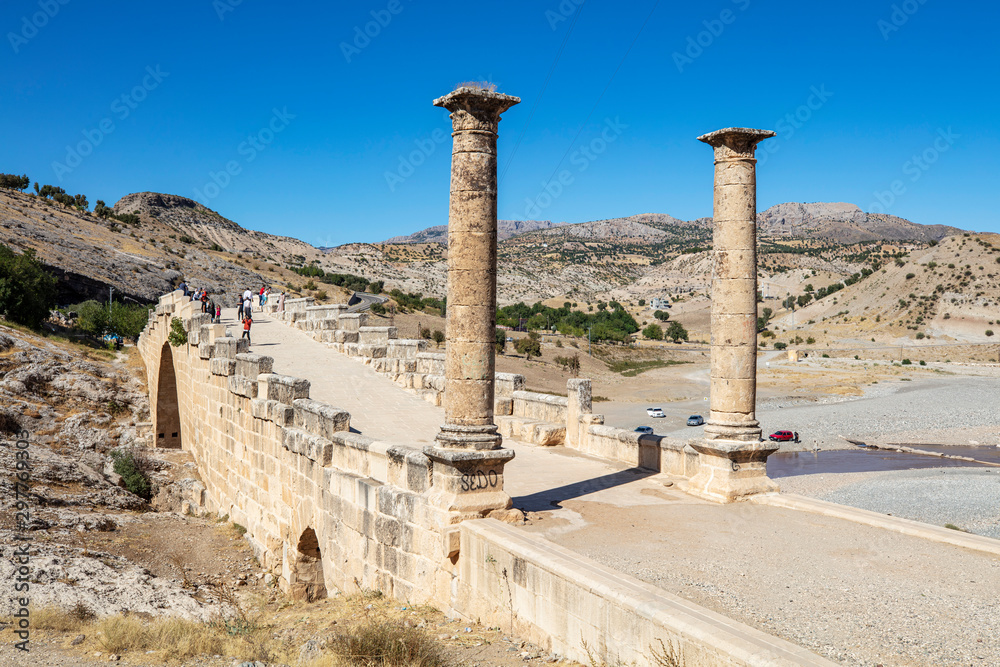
308, 582
167, 427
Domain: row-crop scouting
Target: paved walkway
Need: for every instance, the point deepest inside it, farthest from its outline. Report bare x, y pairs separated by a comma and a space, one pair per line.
855, 594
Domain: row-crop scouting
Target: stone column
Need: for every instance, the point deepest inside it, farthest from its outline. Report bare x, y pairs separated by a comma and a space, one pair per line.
468, 459
733, 457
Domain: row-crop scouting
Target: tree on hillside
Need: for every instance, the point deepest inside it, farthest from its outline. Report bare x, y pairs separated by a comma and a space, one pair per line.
27, 290
765, 317
501, 340
676, 332
653, 332
14, 182
531, 346
438, 337
102, 210
662, 315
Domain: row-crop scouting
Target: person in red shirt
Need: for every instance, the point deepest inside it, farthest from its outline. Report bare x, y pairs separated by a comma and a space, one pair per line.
246, 328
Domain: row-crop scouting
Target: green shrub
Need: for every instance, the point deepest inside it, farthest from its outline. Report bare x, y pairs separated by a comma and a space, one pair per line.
178, 336
989, 332
923, 363
27, 290
96, 319
676, 332
131, 466
653, 332
378, 309
906, 362
780, 346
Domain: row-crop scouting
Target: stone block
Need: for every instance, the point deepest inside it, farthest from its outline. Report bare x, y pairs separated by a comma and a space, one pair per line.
319, 418
222, 366
251, 365
503, 406
205, 350
282, 388
242, 386
225, 348
371, 351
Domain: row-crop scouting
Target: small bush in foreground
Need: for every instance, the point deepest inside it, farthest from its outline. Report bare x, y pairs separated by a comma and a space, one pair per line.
387, 644
129, 466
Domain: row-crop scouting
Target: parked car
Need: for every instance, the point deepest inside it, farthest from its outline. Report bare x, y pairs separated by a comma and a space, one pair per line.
695, 420
644, 430
784, 436
655, 412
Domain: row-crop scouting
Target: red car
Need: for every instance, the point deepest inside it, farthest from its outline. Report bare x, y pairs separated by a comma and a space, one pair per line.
784, 436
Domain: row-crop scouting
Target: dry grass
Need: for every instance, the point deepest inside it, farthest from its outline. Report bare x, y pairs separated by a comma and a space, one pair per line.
352, 631
387, 644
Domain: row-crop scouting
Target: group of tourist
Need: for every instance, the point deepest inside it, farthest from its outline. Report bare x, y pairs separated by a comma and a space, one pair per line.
208, 305
245, 308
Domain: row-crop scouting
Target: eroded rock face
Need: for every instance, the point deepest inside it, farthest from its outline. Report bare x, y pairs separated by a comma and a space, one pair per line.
104, 584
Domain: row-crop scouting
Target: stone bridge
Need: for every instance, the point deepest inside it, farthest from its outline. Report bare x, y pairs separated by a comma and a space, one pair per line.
358, 460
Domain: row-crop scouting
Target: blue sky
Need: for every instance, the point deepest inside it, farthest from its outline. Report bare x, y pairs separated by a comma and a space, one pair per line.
329, 134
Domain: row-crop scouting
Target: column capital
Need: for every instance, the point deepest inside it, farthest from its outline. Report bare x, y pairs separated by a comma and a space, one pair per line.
476, 108
735, 143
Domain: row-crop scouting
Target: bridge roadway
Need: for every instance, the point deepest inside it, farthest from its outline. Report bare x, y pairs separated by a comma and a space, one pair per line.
856, 594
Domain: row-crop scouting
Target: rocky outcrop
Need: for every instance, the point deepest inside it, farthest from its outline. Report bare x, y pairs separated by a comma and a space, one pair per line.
844, 223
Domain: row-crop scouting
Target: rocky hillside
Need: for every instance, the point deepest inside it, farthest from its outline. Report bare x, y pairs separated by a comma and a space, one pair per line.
844, 223
505, 229
176, 239
946, 293
206, 226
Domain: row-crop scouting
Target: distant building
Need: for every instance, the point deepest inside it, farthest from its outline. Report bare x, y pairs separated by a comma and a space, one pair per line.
659, 304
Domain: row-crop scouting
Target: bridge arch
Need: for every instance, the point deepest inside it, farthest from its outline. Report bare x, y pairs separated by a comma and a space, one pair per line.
307, 581
167, 419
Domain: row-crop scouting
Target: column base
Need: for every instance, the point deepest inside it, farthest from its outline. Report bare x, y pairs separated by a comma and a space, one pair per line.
456, 436
468, 482
744, 431
465, 484
732, 470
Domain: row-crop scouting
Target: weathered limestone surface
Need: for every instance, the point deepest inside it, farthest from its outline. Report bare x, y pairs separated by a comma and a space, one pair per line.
733, 457
472, 267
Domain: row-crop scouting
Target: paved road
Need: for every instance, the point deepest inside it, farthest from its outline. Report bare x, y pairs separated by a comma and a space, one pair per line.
858, 595
366, 301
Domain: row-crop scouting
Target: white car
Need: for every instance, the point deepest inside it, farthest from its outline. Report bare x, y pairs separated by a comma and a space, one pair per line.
655, 412
644, 430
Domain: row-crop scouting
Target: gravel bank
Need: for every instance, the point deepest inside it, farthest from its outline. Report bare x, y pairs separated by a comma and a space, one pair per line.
968, 498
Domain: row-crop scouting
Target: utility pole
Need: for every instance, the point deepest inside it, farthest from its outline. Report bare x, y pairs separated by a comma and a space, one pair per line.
589, 348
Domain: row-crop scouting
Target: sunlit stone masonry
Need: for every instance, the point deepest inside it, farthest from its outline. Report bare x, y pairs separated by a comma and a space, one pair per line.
734, 458
468, 456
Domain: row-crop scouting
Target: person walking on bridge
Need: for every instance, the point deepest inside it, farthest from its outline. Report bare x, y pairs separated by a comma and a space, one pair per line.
247, 322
